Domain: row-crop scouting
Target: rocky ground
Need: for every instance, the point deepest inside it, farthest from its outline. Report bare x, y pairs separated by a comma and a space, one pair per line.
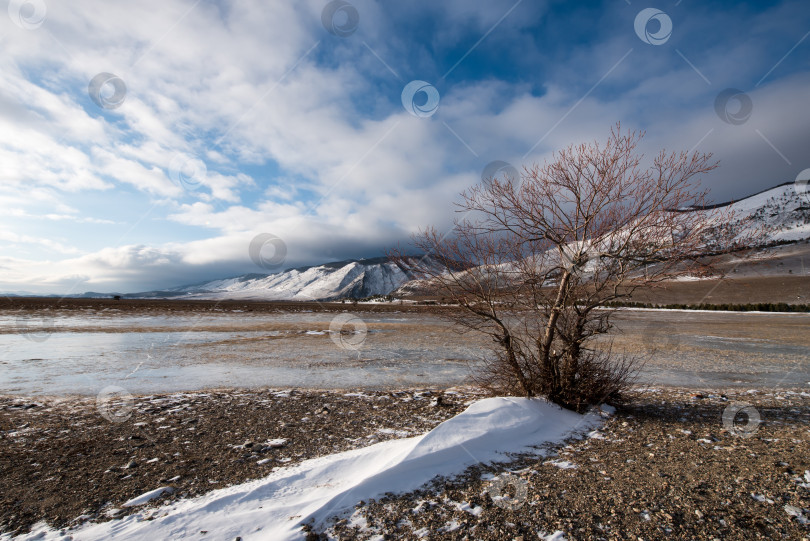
676, 463
669, 466
65, 461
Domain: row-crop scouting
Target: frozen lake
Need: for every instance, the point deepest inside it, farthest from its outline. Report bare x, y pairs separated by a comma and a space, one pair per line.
82, 352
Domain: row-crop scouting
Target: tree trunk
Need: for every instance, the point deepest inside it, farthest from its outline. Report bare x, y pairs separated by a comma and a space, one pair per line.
548, 336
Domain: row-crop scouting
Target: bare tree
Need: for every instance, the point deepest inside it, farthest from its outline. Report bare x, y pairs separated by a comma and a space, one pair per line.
533, 262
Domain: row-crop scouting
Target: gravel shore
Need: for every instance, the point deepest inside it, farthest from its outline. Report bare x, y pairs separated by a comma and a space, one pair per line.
66, 461
675, 463
678, 464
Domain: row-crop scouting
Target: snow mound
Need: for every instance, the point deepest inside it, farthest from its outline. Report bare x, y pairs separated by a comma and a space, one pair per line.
276, 506
148, 496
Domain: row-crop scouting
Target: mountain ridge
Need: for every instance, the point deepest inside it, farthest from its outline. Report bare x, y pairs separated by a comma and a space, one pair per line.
351, 278
781, 211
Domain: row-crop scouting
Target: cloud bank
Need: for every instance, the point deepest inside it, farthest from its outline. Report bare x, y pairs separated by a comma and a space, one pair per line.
144, 145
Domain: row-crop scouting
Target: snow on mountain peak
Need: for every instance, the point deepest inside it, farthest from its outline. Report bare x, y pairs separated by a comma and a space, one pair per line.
347, 279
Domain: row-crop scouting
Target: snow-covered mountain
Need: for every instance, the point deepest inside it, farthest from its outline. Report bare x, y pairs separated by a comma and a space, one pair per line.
345, 279
782, 212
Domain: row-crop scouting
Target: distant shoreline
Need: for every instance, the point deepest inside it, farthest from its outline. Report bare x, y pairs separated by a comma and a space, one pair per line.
203, 305
406, 305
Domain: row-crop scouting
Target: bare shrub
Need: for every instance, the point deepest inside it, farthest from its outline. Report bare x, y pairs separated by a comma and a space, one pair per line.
533, 265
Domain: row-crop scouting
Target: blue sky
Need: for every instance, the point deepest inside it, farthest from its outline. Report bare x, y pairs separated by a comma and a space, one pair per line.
235, 119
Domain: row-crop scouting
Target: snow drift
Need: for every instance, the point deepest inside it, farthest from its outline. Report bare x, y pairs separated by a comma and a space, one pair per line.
276, 506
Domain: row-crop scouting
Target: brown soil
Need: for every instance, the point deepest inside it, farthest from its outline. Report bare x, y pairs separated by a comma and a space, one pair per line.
752, 289
63, 462
790, 289
666, 466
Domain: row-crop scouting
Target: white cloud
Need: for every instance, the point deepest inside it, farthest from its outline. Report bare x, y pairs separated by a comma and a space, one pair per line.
20, 240
301, 134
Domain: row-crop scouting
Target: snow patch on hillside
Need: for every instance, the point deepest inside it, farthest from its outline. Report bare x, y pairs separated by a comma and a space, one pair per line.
781, 212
